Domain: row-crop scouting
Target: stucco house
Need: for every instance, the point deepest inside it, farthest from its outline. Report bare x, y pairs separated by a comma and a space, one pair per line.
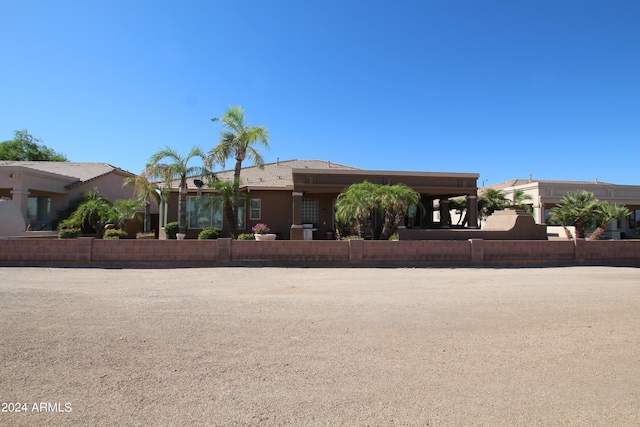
295, 198
545, 194
41, 189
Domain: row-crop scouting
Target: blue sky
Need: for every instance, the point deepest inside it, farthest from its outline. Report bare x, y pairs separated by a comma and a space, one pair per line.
500, 88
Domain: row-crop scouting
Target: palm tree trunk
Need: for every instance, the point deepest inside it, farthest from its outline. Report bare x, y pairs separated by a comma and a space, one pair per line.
230, 219
233, 222
147, 215
598, 233
567, 232
182, 207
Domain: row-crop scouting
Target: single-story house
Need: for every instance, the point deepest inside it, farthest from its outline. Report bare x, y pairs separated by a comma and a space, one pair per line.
545, 194
41, 189
295, 198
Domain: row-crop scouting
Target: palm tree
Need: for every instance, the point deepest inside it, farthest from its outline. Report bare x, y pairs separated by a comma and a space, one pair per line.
519, 198
395, 201
605, 214
355, 205
491, 200
227, 192
577, 208
177, 168
123, 210
95, 211
146, 192
237, 140
459, 205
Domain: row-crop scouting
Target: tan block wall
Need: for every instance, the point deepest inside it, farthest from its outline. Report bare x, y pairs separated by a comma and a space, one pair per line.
89, 252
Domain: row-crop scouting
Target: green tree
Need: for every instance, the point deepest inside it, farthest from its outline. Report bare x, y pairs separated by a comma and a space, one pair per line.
26, 147
394, 200
491, 200
229, 200
355, 205
146, 192
95, 211
122, 211
168, 165
519, 201
579, 208
238, 140
605, 214
459, 205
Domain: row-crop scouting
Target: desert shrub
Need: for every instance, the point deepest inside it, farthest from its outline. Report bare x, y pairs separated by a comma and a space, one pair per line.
115, 234
209, 233
69, 233
171, 229
246, 236
352, 238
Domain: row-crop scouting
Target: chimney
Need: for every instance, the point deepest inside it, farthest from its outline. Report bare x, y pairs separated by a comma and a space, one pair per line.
277, 161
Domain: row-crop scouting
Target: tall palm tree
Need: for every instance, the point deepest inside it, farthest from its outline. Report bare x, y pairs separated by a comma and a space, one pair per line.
176, 167
146, 192
238, 140
605, 214
394, 200
577, 208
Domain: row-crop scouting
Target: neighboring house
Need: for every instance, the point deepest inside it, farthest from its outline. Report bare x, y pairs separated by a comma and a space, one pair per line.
297, 195
41, 189
545, 194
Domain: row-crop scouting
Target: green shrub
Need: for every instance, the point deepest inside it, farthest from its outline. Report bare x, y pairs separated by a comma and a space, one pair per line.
394, 236
209, 233
142, 235
246, 236
352, 238
69, 233
115, 234
171, 229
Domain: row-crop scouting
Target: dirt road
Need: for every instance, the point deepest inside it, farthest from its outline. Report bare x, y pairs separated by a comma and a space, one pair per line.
271, 346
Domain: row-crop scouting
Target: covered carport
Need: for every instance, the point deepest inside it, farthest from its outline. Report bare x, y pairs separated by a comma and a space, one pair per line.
324, 185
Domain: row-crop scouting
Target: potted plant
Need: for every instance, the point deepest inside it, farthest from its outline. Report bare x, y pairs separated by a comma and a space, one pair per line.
261, 232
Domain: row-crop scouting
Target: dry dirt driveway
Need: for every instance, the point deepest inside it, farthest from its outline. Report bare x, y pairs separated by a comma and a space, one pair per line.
306, 347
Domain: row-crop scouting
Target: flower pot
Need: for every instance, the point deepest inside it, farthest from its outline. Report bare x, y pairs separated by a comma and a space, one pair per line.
265, 236
180, 236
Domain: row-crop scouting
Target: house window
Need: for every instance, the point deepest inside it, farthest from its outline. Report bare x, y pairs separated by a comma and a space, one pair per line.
309, 211
204, 211
256, 209
39, 209
634, 219
242, 208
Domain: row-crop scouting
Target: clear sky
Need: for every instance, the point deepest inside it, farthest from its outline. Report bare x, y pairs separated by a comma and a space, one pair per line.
502, 88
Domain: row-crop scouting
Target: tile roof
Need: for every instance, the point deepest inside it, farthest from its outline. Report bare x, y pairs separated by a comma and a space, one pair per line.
81, 171
273, 175
519, 181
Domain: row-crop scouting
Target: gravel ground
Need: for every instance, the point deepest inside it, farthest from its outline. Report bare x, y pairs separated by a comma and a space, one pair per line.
306, 347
